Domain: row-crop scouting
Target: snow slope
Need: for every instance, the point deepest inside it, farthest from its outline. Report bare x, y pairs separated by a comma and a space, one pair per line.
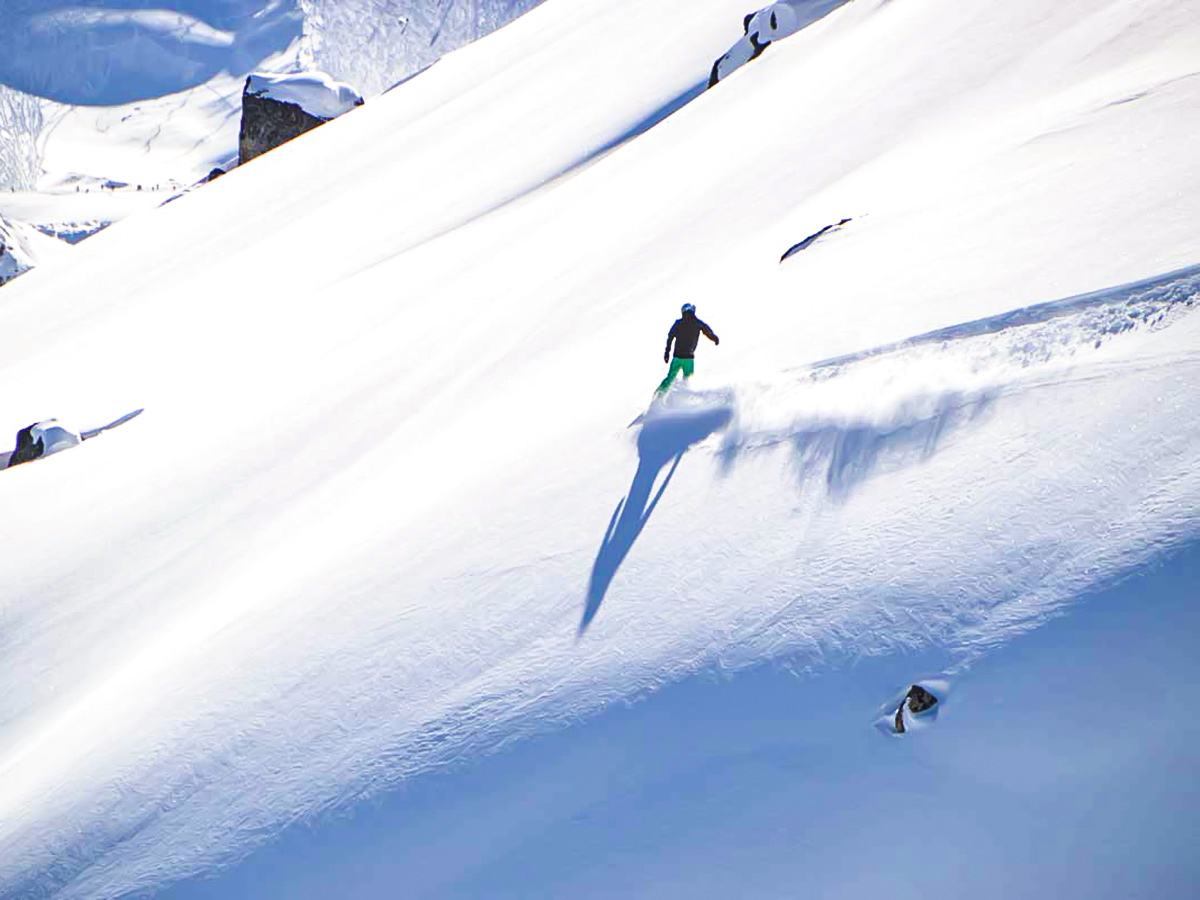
382, 531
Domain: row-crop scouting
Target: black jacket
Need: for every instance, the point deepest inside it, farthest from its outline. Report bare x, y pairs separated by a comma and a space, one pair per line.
686, 334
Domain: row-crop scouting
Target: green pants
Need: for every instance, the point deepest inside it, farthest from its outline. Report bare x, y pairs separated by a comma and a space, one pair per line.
688, 366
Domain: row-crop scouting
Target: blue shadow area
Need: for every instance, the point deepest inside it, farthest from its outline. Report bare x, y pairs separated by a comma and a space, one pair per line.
662, 439
669, 108
757, 784
843, 455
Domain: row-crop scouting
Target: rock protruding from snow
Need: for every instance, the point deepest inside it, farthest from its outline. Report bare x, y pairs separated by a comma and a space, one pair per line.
41, 439
22, 247
278, 108
760, 28
917, 701
769, 24
812, 239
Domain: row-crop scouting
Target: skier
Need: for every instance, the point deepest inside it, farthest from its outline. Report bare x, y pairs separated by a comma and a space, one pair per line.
686, 334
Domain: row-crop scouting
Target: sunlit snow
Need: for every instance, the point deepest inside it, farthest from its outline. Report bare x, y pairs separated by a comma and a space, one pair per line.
383, 594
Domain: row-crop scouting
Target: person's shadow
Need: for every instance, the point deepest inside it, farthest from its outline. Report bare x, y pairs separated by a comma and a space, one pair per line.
663, 438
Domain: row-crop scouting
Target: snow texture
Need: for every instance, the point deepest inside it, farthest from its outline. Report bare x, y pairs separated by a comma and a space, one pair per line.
20, 124
375, 43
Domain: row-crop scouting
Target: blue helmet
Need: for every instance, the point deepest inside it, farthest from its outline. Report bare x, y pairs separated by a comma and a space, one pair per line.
689, 309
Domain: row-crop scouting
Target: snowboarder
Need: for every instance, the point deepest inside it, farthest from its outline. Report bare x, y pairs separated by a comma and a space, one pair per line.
686, 334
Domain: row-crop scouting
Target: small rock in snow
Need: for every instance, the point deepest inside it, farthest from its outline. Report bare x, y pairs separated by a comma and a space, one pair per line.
918, 700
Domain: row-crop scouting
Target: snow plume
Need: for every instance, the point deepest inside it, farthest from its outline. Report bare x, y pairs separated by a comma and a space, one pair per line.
843, 414
844, 427
20, 125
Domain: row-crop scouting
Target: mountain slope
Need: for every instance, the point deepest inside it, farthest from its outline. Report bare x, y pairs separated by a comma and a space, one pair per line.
106, 53
383, 476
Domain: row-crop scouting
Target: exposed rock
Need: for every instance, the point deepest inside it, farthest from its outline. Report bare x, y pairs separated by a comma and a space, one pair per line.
42, 439
811, 239
268, 123
278, 108
28, 448
918, 700
22, 247
759, 29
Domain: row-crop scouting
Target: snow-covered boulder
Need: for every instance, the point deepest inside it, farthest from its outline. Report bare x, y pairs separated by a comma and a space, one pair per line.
764, 26
277, 108
41, 439
22, 247
772, 22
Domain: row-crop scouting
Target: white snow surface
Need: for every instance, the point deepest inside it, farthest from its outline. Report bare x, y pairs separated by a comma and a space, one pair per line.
382, 532
314, 92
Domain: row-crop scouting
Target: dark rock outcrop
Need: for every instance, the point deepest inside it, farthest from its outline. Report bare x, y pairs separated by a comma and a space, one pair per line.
41, 439
267, 123
918, 700
278, 108
27, 447
811, 239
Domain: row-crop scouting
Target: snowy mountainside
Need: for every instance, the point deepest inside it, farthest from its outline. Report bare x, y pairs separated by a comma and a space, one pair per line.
151, 97
22, 247
375, 43
383, 477
104, 53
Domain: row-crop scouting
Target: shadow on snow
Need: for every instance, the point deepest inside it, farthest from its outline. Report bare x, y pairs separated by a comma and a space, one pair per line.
662, 439
843, 454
